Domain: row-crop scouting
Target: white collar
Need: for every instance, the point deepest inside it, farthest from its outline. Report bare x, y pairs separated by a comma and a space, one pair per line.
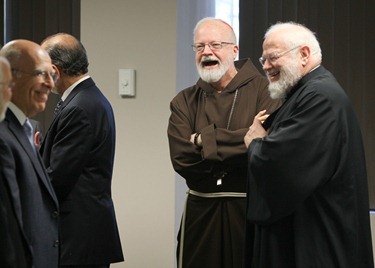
67, 92
21, 117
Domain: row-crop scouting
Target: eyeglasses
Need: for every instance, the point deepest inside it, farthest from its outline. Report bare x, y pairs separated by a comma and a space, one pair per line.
273, 57
215, 45
7, 85
40, 74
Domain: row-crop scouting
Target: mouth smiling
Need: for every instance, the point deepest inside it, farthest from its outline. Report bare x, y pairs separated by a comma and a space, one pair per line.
273, 75
41, 95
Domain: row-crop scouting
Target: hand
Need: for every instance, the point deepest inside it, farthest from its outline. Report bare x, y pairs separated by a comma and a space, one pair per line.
256, 130
192, 138
199, 140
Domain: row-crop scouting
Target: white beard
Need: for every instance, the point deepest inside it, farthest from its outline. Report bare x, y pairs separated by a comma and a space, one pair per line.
213, 75
289, 77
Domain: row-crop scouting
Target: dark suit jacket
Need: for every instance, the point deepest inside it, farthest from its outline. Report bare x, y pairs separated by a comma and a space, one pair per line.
78, 151
39, 206
14, 249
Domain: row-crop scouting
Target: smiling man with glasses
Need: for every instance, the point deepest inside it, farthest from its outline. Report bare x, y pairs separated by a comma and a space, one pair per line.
307, 183
206, 128
36, 203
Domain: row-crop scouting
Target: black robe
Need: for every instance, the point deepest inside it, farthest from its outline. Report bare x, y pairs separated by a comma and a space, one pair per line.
307, 190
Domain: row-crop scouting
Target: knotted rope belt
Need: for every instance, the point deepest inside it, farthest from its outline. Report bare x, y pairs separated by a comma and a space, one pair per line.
204, 195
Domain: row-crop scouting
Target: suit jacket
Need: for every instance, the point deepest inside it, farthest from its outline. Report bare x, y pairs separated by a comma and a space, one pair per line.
38, 202
78, 151
14, 249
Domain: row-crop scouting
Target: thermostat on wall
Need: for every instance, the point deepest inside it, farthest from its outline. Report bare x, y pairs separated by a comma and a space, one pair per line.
126, 82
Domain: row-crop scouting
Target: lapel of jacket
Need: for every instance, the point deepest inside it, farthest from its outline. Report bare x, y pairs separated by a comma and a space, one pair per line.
9, 175
84, 84
17, 130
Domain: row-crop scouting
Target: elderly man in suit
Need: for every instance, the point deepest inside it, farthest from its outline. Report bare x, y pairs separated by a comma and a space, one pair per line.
78, 151
14, 251
34, 199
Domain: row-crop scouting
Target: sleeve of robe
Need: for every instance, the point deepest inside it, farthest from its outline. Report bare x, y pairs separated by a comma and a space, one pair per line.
192, 161
300, 154
220, 146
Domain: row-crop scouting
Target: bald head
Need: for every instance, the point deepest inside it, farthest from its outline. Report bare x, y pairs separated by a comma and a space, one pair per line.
21, 52
32, 73
67, 54
5, 86
214, 24
62, 39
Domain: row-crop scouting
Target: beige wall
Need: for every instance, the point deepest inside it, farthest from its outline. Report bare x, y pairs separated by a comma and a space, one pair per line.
141, 35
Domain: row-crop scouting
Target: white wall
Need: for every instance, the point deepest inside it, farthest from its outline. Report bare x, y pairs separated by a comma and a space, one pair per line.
139, 34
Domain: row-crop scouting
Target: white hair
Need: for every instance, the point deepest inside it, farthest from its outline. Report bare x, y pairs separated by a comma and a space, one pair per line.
296, 35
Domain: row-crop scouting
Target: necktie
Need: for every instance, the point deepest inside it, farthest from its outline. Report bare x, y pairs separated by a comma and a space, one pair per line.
28, 128
58, 106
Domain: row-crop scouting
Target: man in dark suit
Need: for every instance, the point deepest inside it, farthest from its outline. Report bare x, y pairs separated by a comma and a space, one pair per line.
35, 199
14, 250
78, 151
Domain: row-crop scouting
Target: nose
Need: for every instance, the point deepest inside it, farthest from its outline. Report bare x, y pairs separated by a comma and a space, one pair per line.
49, 79
207, 49
266, 65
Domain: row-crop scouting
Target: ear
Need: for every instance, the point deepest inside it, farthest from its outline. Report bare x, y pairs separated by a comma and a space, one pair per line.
57, 71
305, 54
235, 51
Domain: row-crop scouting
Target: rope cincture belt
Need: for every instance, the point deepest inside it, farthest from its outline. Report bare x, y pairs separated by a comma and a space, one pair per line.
204, 195
218, 194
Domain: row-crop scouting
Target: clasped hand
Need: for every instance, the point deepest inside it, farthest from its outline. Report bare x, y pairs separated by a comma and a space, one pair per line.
256, 130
